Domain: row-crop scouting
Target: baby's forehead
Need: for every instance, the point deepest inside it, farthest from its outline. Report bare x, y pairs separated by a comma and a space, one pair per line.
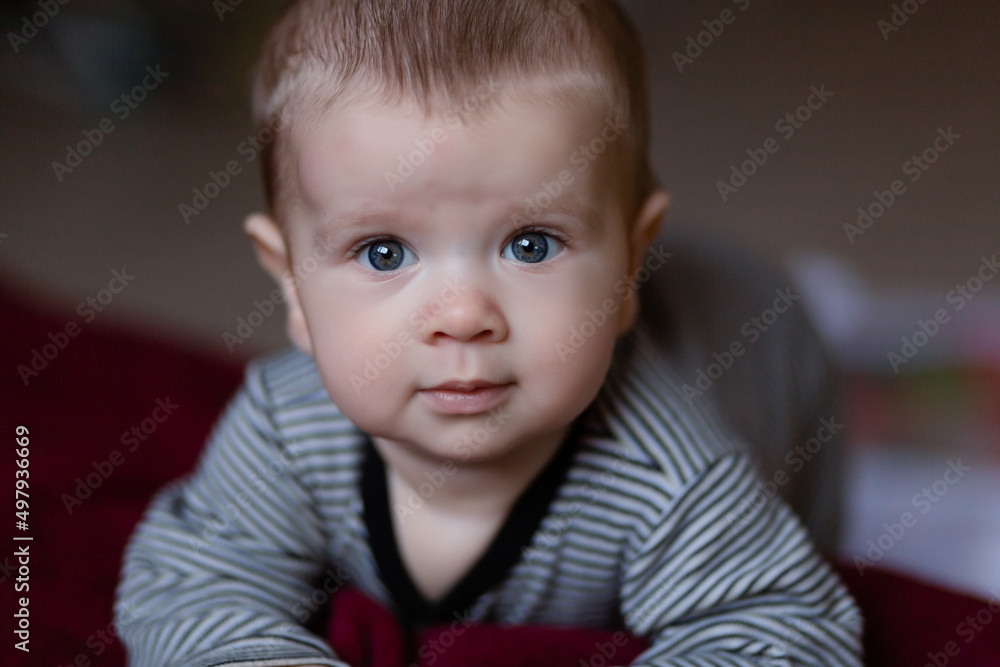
473, 106
526, 142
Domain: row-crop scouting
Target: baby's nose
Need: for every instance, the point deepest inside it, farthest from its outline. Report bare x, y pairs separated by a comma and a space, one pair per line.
463, 313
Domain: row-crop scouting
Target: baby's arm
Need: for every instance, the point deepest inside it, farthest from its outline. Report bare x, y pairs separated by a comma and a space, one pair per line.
215, 571
718, 582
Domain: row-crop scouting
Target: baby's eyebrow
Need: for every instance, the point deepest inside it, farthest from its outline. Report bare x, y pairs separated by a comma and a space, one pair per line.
571, 207
349, 223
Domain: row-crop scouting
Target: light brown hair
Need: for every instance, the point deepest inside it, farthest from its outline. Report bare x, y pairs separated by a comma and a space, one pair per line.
437, 52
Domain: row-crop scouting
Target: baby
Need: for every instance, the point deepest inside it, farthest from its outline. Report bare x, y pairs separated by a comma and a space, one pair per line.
474, 423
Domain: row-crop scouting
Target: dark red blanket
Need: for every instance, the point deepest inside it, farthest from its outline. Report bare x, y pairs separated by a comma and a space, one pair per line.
112, 416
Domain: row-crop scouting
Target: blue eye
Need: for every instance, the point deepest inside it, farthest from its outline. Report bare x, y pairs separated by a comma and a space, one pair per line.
385, 256
532, 248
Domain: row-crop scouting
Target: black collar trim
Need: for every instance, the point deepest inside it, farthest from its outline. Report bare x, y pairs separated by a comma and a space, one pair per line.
492, 568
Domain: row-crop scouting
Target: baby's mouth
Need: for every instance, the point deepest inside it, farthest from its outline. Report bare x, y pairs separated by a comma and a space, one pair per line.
465, 397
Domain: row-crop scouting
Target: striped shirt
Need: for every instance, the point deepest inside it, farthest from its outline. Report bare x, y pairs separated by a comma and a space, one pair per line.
652, 521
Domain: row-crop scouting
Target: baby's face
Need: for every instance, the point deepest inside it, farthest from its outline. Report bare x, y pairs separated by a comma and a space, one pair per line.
465, 303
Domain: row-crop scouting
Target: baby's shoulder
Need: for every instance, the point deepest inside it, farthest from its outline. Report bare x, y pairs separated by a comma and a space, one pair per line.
285, 379
649, 431
286, 389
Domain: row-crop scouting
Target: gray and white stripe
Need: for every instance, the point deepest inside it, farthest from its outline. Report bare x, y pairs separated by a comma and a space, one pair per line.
216, 572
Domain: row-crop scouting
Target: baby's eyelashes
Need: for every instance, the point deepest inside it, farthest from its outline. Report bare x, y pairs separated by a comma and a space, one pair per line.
386, 255
533, 247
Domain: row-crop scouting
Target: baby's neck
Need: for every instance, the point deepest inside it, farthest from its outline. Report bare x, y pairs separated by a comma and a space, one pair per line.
466, 488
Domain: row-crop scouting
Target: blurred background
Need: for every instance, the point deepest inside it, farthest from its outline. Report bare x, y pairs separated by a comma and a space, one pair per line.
115, 115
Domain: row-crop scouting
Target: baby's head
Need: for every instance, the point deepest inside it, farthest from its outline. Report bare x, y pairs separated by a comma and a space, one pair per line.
458, 192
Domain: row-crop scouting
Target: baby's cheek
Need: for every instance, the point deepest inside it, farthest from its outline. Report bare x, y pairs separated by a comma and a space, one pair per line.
354, 366
590, 320
580, 348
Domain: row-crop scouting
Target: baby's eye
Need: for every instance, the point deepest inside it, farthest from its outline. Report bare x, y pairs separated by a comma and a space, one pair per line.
532, 248
385, 256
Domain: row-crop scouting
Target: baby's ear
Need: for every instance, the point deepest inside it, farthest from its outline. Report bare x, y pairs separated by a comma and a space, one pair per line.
645, 227
273, 254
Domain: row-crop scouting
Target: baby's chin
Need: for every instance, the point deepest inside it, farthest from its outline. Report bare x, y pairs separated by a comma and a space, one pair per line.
504, 433
461, 449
